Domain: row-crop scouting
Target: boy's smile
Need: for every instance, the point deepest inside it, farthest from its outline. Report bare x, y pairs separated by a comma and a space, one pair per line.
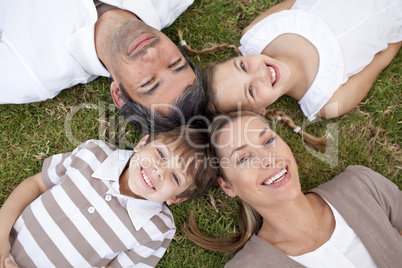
154, 174
147, 179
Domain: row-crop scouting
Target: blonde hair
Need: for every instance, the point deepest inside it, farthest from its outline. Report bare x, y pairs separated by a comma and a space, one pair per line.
211, 49
207, 76
250, 222
318, 143
249, 219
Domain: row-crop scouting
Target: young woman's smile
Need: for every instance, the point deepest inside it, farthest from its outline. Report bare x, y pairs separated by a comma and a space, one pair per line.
279, 178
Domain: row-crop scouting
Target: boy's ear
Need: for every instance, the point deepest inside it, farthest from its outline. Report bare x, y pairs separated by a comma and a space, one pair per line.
141, 144
117, 96
175, 200
226, 187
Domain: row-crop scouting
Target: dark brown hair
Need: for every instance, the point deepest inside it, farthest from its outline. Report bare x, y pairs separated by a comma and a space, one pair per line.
191, 145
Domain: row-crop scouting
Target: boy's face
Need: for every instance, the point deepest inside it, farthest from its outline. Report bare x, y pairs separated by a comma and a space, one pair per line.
155, 173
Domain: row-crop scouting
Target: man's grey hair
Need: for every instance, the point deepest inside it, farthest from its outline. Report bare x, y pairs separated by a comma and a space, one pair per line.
190, 104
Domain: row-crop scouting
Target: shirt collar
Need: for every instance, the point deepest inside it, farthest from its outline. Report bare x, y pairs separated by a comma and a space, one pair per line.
113, 166
82, 46
141, 211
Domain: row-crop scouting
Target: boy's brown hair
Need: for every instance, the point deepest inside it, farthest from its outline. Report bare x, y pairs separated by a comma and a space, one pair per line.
191, 145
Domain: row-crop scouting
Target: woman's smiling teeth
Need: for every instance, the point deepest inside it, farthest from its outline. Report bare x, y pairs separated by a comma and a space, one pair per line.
277, 178
273, 74
147, 181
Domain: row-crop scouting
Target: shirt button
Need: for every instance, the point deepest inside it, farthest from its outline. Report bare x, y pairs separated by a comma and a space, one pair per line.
108, 198
327, 251
91, 210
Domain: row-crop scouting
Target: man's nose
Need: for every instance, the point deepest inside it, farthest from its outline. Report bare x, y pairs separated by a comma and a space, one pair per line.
151, 55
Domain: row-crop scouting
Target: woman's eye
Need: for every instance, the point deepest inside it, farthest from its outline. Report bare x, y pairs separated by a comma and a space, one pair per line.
176, 178
243, 67
269, 141
147, 83
161, 154
242, 160
250, 91
175, 63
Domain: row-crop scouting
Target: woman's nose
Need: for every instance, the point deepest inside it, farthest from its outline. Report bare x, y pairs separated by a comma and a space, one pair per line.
260, 74
268, 160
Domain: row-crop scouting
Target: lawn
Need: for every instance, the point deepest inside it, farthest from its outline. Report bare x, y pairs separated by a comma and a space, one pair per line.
369, 135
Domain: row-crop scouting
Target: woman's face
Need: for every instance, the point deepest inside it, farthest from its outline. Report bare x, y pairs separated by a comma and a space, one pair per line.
254, 82
258, 164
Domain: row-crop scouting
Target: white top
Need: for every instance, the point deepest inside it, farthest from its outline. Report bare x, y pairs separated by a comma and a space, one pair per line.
343, 249
84, 221
50, 45
347, 35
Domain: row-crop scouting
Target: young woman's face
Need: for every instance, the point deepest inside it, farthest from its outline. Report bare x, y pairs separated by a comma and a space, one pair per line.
254, 82
258, 164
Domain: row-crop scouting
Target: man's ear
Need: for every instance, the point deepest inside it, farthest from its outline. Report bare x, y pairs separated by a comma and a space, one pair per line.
141, 144
117, 96
226, 187
175, 200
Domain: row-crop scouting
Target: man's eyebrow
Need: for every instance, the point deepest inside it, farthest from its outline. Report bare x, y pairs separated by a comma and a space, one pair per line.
152, 89
181, 68
159, 83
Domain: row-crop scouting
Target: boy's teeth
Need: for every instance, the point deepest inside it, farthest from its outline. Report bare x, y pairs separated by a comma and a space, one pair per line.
278, 177
273, 74
146, 179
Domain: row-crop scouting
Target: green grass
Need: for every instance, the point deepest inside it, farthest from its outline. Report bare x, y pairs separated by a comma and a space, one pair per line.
369, 135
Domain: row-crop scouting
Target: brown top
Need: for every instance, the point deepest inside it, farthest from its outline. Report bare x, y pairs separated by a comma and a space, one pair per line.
371, 205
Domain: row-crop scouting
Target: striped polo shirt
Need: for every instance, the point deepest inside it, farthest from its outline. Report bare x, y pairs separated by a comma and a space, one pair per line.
84, 221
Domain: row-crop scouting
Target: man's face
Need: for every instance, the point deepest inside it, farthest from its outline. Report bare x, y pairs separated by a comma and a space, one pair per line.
149, 66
